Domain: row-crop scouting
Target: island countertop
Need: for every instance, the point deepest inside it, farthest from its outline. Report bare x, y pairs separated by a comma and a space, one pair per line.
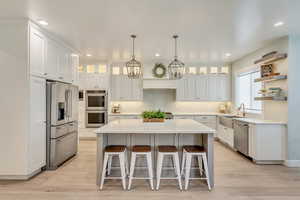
137, 126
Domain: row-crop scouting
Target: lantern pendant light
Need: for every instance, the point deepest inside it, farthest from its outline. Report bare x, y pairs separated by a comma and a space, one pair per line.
176, 67
134, 67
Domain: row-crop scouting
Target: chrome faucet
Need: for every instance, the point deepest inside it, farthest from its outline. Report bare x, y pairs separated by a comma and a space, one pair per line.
243, 112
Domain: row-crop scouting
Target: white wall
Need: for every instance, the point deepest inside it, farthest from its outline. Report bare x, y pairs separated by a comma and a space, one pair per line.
14, 101
166, 101
272, 110
294, 100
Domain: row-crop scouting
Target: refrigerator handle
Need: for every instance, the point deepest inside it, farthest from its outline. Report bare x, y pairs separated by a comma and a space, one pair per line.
67, 104
70, 98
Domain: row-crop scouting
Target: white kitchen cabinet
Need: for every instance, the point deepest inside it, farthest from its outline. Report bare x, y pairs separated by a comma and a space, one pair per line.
37, 43
201, 88
226, 135
52, 59
267, 143
37, 134
74, 69
120, 116
215, 87
125, 89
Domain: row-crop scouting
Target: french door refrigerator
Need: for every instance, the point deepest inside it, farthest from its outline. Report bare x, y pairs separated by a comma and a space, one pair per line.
62, 123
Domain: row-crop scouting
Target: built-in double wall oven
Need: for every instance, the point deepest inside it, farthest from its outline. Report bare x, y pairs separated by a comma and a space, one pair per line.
96, 108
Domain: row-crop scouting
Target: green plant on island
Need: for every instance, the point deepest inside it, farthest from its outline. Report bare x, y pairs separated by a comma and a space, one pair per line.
153, 114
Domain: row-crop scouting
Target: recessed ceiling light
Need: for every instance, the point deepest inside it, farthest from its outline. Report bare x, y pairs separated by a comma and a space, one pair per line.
43, 22
278, 24
157, 55
88, 55
227, 54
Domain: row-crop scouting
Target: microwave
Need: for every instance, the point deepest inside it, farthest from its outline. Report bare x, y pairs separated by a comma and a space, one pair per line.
96, 99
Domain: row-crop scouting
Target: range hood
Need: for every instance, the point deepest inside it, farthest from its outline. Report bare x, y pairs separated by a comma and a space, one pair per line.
159, 83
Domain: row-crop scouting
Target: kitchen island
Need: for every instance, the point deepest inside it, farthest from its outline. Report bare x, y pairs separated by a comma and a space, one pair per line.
176, 132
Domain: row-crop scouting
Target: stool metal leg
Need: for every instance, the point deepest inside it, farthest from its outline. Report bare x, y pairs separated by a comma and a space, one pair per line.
150, 169
103, 170
183, 162
131, 172
109, 164
199, 158
187, 170
126, 163
123, 170
177, 169
158, 169
206, 170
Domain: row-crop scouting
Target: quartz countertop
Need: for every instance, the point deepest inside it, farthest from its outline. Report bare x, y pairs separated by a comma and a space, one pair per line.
187, 114
259, 121
137, 126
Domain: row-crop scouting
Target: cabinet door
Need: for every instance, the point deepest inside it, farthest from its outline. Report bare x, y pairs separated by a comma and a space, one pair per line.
74, 69
37, 53
65, 68
223, 88
136, 90
212, 87
201, 85
52, 60
37, 141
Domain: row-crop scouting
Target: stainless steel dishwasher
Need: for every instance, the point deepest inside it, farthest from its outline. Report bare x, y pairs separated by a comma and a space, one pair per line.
241, 137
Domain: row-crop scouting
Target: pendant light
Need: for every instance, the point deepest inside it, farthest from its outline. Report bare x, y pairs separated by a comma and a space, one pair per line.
176, 67
134, 67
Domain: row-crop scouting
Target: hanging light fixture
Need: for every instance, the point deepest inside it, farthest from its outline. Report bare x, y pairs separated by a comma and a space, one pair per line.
134, 67
176, 67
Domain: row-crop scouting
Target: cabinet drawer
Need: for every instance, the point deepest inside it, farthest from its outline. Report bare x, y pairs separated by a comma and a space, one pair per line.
183, 117
206, 118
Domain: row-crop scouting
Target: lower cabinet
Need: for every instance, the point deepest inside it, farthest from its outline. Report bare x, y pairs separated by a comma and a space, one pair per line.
225, 135
116, 117
267, 143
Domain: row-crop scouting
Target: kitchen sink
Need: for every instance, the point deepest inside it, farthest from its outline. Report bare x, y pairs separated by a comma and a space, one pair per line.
227, 121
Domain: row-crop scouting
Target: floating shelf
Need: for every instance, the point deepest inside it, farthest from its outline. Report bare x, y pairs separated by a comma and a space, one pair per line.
270, 98
271, 78
271, 59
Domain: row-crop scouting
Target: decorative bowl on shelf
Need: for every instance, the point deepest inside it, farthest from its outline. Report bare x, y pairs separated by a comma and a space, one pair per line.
153, 116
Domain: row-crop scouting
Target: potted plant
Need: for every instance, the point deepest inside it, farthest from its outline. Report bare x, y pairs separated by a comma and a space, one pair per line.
153, 116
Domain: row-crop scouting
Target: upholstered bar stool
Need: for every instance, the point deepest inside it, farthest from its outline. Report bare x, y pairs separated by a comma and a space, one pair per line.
188, 153
168, 151
141, 150
109, 152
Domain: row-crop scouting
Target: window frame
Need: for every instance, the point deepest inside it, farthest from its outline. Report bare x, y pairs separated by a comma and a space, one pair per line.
252, 96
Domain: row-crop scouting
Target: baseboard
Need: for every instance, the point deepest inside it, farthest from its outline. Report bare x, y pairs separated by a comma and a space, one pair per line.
292, 163
88, 138
19, 177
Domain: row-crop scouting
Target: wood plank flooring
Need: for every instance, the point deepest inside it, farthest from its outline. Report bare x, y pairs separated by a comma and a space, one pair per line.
236, 179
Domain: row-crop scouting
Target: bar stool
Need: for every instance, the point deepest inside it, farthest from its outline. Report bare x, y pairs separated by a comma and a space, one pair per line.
168, 151
188, 153
109, 152
141, 150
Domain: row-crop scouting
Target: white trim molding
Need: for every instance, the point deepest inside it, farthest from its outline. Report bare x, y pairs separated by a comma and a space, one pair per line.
292, 163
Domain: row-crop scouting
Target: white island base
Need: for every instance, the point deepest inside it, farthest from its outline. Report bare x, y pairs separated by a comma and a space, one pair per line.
176, 132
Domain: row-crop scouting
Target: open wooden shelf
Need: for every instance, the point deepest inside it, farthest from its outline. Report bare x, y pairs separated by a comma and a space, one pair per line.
271, 59
271, 78
270, 98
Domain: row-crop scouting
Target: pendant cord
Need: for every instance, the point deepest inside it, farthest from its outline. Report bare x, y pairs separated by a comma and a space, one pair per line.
175, 48
133, 48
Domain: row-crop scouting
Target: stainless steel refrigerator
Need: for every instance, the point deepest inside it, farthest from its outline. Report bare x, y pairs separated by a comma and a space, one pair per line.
62, 123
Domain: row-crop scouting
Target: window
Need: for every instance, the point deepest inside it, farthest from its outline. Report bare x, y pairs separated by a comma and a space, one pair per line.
90, 69
247, 89
102, 69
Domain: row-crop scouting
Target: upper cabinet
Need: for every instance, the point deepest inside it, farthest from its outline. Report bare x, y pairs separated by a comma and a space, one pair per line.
212, 86
37, 54
50, 58
124, 88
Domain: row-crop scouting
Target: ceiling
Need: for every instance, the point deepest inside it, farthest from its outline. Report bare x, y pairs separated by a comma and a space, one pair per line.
208, 29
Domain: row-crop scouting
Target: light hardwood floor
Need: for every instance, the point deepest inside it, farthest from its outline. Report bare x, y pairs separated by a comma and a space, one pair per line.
236, 179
